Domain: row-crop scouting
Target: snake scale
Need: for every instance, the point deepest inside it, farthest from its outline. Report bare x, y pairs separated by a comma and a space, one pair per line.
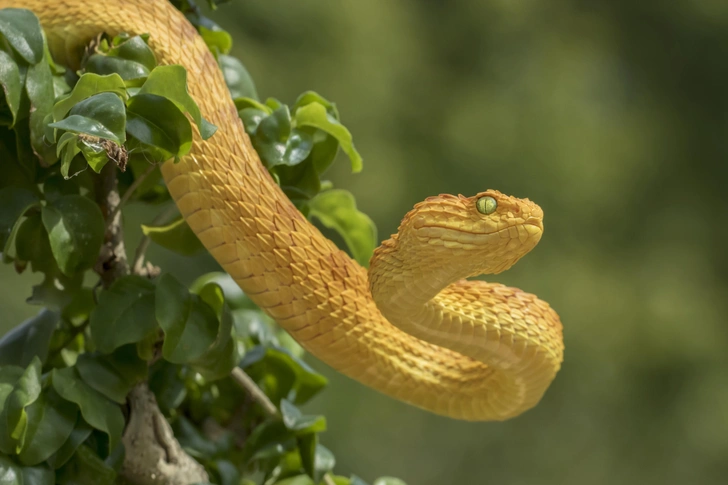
412, 327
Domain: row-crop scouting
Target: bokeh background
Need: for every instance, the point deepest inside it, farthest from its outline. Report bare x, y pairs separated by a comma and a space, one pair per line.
613, 116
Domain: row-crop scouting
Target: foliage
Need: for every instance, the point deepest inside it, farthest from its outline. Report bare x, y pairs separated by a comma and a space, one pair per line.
65, 373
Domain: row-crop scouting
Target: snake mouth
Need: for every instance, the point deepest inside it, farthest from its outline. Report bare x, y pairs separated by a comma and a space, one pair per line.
533, 221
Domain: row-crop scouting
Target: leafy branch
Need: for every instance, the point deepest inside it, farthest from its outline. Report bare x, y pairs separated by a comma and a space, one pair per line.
219, 381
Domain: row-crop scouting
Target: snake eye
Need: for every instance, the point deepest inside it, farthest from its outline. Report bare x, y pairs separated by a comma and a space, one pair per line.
486, 205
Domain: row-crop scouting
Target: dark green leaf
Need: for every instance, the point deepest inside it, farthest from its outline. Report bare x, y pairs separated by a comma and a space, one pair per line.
22, 31
28, 340
80, 433
10, 81
14, 202
175, 236
32, 244
221, 356
299, 423
97, 410
135, 49
113, 375
88, 85
277, 143
282, 374
76, 228
124, 315
171, 83
190, 325
41, 94
50, 423
234, 296
85, 468
157, 122
38, 475
237, 78
336, 209
102, 115
167, 385
315, 115
251, 118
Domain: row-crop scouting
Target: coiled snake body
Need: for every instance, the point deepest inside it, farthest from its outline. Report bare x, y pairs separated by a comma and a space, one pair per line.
413, 327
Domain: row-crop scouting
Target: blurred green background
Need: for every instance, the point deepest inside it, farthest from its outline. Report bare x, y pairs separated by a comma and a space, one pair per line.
613, 117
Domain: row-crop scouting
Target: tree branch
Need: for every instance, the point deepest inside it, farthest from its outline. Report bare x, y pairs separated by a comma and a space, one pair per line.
112, 263
244, 381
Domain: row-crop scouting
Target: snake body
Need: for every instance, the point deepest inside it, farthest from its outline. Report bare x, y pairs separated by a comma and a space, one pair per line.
412, 327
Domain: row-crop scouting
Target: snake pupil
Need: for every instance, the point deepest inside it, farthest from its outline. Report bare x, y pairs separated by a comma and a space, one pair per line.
486, 205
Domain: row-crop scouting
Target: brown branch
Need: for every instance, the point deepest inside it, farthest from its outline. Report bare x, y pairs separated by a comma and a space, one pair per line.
244, 381
112, 263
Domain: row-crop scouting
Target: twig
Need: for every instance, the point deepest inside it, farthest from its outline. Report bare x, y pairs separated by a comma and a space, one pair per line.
244, 381
132, 188
138, 264
329, 479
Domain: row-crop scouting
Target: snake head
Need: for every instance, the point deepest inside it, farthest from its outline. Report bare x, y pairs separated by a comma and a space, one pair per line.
486, 233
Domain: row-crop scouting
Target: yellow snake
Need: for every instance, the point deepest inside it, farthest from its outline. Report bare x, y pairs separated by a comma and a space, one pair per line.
413, 327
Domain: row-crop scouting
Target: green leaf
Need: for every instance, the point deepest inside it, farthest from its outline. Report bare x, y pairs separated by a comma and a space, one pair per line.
175, 236
221, 356
247, 102
13, 415
216, 39
41, 93
50, 423
190, 325
135, 49
336, 209
32, 244
171, 83
282, 374
309, 97
315, 115
97, 410
124, 315
167, 385
101, 115
113, 375
388, 481
157, 122
80, 433
22, 31
14, 202
28, 340
278, 143
10, 472
297, 480
10, 81
251, 118
234, 296
38, 475
85, 468
75, 228
237, 78
88, 85
316, 459
298, 423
